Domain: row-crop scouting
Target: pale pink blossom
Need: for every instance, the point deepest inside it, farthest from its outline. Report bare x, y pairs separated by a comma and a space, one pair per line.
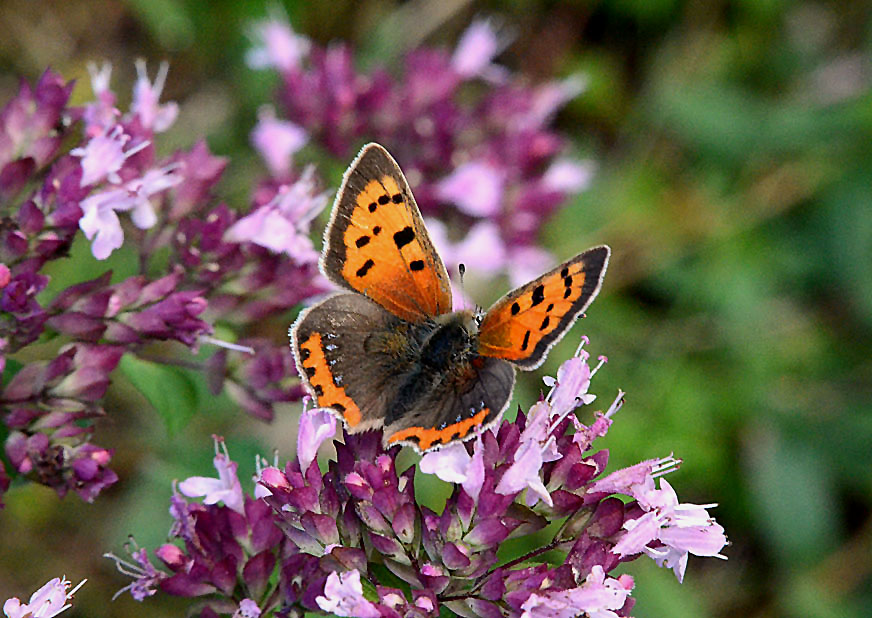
681, 529
475, 51
525, 263
568, 176
584, 435
247, 609
101, 224
481, 251
597, 597
104, 155
48, 601
316, 425
637, 480
101, 115
536, 443
475, 187
261, 464
282, 225
277, 141
343, 596
278, 45
152, 115
524, 473
226, 488
454, 464
569, 389
552, 96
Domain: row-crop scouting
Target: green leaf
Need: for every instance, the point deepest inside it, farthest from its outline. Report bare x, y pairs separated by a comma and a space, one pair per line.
170, 390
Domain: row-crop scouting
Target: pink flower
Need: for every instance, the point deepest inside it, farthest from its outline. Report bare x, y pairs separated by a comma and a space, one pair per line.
525, 263
569, 390
277, 141
247, 609
454, 464
48, 601
226, 488
536, 443
596, 597
554, 95
637, 480
482, 251
104, 155
524, 473
584, 435
568, 176
102, 114
282, 225
316, 425
280, 46
99, 221
682, 529
343, 596
475, 50
152, 115
476, 188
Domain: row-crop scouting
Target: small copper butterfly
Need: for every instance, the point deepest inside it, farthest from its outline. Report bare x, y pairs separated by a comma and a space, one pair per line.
390, 353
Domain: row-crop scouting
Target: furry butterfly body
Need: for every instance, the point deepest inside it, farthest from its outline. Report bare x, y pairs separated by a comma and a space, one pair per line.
389, 353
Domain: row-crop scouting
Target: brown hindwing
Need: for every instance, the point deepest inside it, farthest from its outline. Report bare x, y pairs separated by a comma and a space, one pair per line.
332, 344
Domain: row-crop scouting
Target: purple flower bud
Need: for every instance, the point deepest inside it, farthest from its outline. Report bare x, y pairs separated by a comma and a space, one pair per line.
257, 572
28, 123
487, 533
321, 527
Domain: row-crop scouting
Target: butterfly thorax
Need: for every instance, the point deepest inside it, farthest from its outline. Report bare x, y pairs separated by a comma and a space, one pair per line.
450, 339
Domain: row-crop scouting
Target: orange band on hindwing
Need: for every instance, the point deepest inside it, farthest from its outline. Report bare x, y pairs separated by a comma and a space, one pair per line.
327, 393
427, 438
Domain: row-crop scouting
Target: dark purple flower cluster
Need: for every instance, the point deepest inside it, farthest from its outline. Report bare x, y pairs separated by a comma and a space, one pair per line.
94, 170
354, 540
510, 172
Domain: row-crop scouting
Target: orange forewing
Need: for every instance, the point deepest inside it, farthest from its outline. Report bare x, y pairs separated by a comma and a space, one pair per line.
376, 242
523, 325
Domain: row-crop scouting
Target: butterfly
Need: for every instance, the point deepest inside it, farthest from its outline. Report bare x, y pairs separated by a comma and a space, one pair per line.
389, 352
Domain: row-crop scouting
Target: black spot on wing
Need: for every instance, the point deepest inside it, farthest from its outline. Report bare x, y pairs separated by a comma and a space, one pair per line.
365, 268
416, 265
538, 295
362, 242
404, 237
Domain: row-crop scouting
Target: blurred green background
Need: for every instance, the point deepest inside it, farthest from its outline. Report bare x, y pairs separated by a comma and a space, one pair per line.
734, 185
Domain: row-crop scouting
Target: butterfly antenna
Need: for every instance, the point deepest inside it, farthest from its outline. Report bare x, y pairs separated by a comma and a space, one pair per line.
461, 270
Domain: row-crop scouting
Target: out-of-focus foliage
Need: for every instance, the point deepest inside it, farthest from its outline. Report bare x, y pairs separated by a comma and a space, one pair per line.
735, 188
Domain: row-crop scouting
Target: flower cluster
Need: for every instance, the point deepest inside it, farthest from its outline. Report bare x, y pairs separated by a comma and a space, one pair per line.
355, 541
441, 112
95, 170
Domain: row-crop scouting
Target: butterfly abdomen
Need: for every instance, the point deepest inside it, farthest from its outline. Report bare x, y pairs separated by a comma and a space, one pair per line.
443, 346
